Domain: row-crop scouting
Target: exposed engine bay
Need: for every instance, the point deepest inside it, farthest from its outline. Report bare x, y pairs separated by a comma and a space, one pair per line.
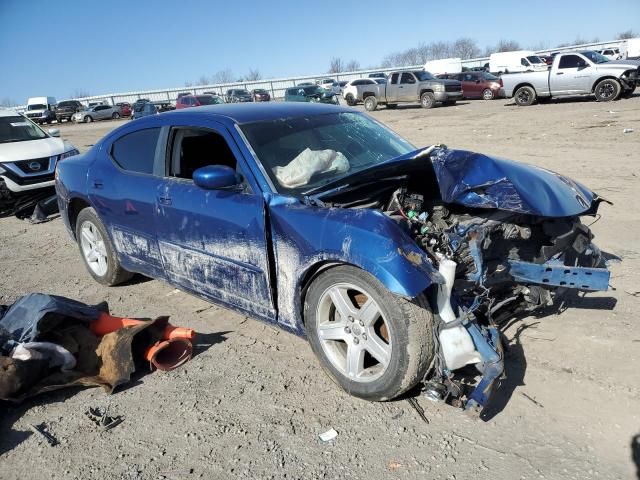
496, 264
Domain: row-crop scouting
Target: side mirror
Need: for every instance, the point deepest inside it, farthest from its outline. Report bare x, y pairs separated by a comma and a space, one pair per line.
54, 132
214, 177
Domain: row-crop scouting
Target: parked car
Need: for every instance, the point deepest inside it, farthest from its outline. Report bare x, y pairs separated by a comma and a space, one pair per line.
311, 93
238, 95
326, 83
478, 84
98, 112
575, 73
184, 94
305, 84
518, 61
125, 109
611, 53
260, 95
41, 109
336, 228
354, 91
338, 87
66, 109
143, 109
412, 86
377, 75
188, 101
28, 159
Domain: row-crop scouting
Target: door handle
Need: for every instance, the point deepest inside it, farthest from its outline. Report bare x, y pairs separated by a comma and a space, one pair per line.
560, 73
98, 184
165, 200
401, 87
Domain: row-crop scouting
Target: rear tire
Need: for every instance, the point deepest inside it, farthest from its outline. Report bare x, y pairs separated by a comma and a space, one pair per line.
115, 116
607, 90
427, 100
525, 96
380, 358
370, 104
97, 251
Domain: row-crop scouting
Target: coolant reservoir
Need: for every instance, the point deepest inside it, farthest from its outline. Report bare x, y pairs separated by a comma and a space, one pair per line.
456, 343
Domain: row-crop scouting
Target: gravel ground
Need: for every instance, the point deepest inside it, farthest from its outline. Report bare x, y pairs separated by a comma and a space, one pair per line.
253, 400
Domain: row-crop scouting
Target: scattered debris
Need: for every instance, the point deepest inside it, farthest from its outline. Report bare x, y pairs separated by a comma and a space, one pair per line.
102, 419
534, 401
393, 465
633, 294
627, 130
329, 435
416, 406
42, 431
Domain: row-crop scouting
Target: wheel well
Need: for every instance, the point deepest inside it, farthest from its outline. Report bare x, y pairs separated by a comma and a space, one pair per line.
425, 90
608, 77
311, 274
515, 89
368, 94
75, 207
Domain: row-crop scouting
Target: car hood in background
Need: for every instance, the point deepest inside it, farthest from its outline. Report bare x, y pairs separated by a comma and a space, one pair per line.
481, 181
45, 147
633, 63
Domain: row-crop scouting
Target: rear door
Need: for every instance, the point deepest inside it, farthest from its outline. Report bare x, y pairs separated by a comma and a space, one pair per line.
213, 242
392, 88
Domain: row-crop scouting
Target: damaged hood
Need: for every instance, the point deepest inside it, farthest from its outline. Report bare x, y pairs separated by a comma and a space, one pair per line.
481, 181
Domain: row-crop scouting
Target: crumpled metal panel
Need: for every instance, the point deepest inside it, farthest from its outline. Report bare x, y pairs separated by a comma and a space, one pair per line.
481, 181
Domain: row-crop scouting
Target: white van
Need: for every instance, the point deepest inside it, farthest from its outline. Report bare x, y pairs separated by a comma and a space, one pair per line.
518, 61
41, 109
444, 65
631, 47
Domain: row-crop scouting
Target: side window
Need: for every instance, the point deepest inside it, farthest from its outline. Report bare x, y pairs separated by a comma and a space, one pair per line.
407, 78
524, 62
136, 151
394, 78
194, 148
571, 61
469, 78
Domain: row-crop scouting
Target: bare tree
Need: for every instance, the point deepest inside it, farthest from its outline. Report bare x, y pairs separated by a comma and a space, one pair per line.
203, 80
465, 48
336, 65
7, 102
223, 76
579, 41
352, 66
627, 34
80, 93
188, 84
507, 46
253, 75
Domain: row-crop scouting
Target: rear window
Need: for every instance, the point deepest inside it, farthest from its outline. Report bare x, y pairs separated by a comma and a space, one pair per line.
136, 151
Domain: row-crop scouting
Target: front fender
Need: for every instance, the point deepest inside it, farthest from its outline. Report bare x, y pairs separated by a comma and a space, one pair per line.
304, 236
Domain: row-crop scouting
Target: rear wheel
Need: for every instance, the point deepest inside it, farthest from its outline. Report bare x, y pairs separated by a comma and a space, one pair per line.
607, 90
351, 101
115, 116
525, 96
372, 343
487, 94
427, 100
370, 104
97, 251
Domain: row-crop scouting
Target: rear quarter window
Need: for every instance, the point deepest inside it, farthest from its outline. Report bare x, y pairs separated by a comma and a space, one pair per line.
136, 151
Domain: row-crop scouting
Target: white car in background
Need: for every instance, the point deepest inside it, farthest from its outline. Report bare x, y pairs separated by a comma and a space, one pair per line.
28, 159
611, 53
352, 92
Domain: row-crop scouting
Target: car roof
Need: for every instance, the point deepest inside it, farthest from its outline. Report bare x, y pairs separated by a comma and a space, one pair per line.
255, 112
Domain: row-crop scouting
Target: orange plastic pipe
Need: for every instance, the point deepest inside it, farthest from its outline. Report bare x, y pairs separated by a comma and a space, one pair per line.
169, 354
108, 323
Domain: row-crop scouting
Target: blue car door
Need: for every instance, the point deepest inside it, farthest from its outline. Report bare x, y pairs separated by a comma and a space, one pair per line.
213, 242
123, 189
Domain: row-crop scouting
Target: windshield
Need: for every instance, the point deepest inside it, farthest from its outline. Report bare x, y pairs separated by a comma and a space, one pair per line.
423, 75
260, 90
241, 92
313, 90
19, 129
207, 100
595, 57
488, 76
300, 154
37, 106
535, 59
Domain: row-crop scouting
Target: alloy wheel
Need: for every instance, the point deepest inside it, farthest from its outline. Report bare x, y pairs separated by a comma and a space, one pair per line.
93, 248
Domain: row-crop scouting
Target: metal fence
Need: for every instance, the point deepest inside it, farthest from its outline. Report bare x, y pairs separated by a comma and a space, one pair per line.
277, 86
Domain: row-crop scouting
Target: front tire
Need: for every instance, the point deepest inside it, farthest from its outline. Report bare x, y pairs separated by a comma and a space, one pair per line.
487, 94
427, 100
97, 250
607, 90
372, 343
525, 96
370, 104
88, 119
115, 116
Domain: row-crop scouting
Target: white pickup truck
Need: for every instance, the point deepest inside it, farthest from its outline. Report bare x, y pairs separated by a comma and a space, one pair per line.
575, 73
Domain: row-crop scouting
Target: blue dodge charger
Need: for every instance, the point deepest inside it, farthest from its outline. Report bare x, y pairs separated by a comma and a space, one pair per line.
398, 264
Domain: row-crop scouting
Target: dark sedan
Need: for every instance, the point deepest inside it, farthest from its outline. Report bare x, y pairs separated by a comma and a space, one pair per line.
238, 95
260, 95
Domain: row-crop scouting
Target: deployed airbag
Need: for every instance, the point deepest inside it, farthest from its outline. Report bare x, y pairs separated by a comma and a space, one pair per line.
309, 162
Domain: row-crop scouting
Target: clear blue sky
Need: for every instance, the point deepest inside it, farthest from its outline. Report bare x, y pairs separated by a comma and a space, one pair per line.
54, 47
